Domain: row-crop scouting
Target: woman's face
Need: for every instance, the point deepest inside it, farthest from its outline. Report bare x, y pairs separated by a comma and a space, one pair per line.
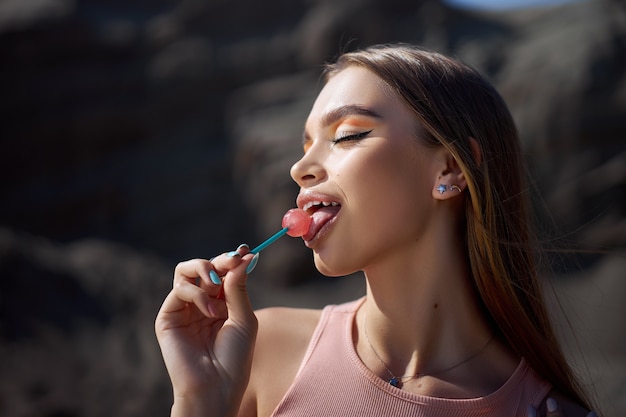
363, 162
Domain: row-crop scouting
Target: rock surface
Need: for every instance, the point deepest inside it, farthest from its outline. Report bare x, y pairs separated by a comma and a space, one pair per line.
136, 134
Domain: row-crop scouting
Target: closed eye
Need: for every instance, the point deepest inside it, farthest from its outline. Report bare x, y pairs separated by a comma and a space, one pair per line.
351, 137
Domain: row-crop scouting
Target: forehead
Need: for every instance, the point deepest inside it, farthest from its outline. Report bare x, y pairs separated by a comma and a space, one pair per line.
356, 86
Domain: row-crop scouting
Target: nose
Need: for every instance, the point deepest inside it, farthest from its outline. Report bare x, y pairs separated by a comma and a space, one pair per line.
309, 170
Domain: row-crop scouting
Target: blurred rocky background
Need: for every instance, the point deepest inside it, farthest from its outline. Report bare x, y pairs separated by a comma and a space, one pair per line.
135, 134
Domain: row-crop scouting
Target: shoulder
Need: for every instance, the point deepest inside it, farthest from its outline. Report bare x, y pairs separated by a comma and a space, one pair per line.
294, 326
282, 340
290, 325
283, 337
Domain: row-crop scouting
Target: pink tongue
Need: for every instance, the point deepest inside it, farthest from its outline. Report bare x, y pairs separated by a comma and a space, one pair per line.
320, 217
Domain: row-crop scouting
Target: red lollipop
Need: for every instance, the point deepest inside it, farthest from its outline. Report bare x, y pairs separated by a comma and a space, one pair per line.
297, 221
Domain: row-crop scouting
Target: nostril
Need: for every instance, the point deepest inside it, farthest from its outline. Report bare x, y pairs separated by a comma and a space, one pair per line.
300, 174
308, 169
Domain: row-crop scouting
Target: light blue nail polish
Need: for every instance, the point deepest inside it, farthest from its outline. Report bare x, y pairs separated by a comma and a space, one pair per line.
252, 264
232, 253
551, 405
215, 279
243, 245
531, 411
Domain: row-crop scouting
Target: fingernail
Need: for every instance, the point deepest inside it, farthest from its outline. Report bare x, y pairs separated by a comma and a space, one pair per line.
252, 264
592, 414
233, 253
243, 245
531, 411
215, 279
551, 405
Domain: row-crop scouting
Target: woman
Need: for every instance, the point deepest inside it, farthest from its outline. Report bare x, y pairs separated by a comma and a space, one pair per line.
413, 174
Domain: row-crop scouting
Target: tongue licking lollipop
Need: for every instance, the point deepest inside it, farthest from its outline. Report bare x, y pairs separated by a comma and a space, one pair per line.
295, 223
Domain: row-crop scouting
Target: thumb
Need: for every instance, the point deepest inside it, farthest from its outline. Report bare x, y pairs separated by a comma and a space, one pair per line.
236, 294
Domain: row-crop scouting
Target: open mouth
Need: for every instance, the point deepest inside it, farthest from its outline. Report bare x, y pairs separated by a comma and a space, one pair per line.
321, 213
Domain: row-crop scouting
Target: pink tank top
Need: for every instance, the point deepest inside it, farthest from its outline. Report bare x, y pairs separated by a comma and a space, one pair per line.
332, 381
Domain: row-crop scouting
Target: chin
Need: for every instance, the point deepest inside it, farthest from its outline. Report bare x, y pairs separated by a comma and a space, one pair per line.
333, 268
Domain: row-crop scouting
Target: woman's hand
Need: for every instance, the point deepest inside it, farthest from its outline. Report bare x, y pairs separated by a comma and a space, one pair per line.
552, 408
206, 330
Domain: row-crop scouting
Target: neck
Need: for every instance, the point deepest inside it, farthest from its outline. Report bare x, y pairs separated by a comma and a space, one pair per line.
422, 314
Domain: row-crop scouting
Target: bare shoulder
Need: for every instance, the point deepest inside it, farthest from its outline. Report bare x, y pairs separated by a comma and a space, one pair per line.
284, 334
283, 338
567, 407
291, 325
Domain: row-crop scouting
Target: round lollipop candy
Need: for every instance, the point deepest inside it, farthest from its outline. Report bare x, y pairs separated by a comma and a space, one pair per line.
295, 223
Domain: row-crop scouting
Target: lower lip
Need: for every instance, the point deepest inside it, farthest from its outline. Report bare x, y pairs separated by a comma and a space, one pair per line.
321, 233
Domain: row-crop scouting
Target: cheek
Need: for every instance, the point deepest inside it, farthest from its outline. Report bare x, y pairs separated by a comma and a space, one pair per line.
390, 174
395, 192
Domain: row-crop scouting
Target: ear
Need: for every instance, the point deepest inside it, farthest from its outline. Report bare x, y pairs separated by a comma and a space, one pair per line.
449, 179
476, 153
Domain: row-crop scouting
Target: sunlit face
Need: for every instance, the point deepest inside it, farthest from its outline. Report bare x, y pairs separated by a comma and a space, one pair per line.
363, 161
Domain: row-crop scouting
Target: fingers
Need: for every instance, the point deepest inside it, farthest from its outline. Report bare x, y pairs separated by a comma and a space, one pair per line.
229, 260
552, 408
200, 282
233, 269
196, 282
209, 272
192, 270
185, 293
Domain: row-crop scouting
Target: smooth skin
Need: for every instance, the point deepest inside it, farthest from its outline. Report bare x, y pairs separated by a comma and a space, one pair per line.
362, 151
207, 337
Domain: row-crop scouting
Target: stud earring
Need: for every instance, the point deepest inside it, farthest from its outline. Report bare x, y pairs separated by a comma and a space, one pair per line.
441, 188
455, 187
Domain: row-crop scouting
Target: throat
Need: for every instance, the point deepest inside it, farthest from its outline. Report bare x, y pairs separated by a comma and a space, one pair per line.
384, 365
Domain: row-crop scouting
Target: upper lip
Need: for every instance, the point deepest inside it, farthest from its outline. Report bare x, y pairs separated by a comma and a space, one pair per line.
308, 199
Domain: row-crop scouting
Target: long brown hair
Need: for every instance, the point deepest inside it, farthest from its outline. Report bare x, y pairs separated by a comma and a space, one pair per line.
453, 103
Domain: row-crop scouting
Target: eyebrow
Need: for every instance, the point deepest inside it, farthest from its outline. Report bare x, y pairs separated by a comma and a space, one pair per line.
344, 111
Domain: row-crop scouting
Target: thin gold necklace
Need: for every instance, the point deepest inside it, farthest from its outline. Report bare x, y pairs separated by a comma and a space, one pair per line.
398, 381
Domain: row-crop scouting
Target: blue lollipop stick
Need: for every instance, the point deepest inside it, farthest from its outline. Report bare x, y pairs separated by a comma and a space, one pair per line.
270, 240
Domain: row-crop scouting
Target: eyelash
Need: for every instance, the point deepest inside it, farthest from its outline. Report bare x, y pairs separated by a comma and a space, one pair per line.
352, 137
